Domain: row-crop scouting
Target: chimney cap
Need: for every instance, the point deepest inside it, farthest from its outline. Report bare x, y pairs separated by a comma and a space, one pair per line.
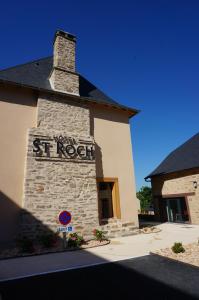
65, 34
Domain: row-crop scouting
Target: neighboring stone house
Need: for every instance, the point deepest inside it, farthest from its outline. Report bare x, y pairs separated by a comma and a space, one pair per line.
65, 145
175, 184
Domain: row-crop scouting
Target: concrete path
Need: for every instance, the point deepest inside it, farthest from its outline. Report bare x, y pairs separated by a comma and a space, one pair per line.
118, 249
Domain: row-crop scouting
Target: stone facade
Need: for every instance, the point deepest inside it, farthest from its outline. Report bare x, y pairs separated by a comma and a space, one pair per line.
115, 228
178, 184
60, 168
63, 77
53, 184
65, 82
63, 115
61, 138
64, 51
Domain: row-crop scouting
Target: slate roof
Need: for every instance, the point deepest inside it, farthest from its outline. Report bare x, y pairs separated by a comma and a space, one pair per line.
35, 75
184, 157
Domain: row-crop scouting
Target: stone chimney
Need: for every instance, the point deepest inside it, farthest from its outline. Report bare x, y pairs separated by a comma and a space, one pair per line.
63, 77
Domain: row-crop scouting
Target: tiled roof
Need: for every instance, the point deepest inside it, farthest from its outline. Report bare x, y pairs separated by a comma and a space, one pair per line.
184, 157
36, 75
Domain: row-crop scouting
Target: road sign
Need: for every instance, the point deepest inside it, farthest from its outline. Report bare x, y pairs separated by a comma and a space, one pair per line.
65, 229
65, 217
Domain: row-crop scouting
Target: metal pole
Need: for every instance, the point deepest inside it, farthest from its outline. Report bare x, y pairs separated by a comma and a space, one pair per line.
65, 244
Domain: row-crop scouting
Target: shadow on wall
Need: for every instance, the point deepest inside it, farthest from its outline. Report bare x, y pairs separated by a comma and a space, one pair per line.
159, 209
98, 158
108, 114
16, 222
15, 95
98, 150
99, 164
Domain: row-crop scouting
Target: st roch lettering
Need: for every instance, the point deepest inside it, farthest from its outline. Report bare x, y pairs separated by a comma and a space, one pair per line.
38, 147
84, 152
37, 144
81, 151
60, 148
89, 152
68, 151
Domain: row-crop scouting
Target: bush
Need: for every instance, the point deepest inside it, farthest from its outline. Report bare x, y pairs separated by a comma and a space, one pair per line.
75, 240
48, 240
145, 197
25, 245
99, 235
178, 248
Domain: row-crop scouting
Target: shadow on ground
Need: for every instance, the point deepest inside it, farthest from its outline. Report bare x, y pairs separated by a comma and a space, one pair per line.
148, 277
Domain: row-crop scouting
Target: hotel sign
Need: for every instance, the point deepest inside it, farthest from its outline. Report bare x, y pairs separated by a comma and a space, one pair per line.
63, 147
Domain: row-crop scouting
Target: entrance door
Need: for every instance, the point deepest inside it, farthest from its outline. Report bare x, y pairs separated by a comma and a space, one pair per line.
108, 195
105, 198
176, 210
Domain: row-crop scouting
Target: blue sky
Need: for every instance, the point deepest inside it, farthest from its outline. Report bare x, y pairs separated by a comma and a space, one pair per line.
145, 54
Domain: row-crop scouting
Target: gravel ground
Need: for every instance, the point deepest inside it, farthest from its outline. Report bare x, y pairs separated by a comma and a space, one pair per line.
190, 256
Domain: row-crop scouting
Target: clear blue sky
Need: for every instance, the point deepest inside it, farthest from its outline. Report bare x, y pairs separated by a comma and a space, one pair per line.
145, 54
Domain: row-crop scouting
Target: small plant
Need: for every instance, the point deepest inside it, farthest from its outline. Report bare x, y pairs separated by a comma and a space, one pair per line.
178, 248
25, 245
75, 240
99, 235
48, 240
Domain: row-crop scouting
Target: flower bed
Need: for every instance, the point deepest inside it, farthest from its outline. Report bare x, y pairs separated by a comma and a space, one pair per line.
189, 256
38, 250
51, 243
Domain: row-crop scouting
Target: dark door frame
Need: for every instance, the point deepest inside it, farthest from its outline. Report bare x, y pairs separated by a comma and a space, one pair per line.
183, 195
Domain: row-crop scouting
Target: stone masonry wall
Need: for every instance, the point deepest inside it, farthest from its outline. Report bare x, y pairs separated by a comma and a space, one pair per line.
63, 77
59, 114
65, 82
53, 184
64, 52
180, 183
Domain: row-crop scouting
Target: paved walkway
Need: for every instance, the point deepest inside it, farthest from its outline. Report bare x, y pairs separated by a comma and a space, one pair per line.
147, 277
118, 249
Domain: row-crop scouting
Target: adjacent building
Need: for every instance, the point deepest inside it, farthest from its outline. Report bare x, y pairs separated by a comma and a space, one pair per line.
65, 145
175, 184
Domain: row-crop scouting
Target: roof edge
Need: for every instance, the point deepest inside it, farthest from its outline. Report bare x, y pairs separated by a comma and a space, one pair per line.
132, 111
166, 173
27, 63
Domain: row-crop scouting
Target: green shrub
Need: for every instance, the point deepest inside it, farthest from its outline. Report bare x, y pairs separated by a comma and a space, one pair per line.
25, 245
75, 240
48, 240
99, 235
178, 248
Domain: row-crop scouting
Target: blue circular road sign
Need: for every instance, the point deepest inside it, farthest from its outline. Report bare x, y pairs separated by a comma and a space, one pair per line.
65, 217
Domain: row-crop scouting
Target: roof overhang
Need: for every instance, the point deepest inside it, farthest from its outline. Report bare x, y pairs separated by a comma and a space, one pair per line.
130, 111
173, 172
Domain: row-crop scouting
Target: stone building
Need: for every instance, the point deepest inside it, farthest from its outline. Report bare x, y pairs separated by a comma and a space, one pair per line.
65, 145
175, 184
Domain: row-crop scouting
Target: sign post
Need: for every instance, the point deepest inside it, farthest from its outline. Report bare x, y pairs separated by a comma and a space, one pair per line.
65, 218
